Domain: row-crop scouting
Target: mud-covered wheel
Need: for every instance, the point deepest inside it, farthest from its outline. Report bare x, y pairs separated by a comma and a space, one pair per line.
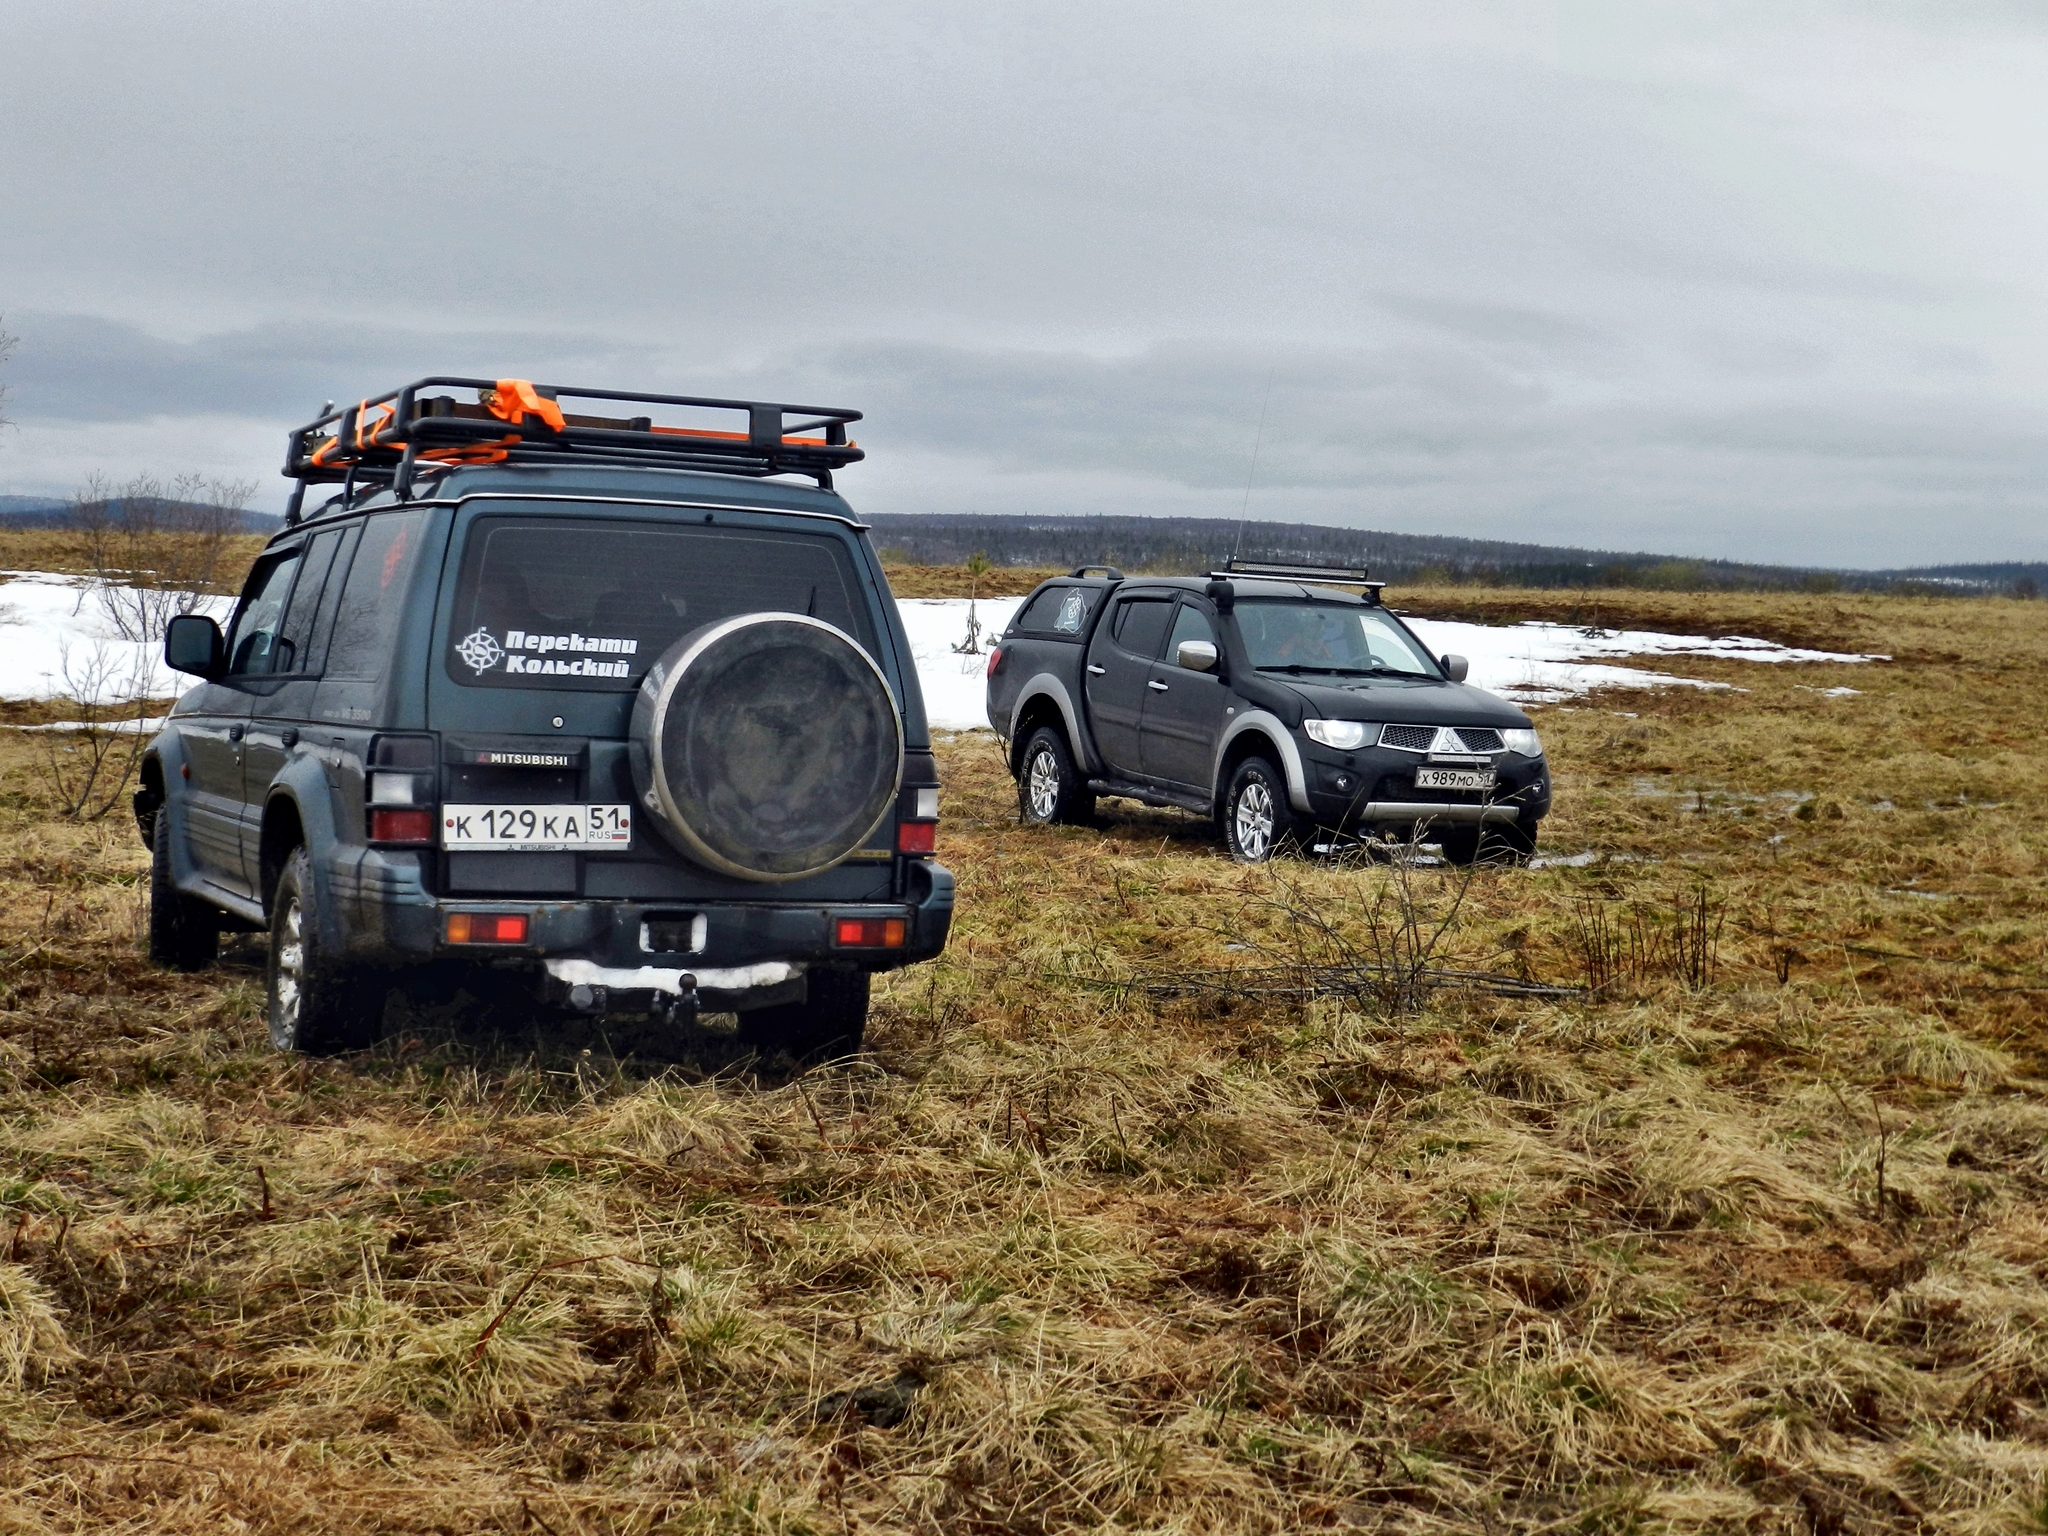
1050, 789
314, 1003
1257, 820
184, 932
827, 1025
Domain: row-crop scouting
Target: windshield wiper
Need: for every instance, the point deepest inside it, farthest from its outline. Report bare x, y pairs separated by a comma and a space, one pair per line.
1296, 666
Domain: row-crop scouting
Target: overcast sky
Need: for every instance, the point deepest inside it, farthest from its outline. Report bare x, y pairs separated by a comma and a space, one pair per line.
1760, 281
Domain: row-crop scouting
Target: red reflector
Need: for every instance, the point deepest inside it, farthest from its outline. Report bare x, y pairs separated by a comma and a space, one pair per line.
869, 932
486, 928
917, 837
406, 826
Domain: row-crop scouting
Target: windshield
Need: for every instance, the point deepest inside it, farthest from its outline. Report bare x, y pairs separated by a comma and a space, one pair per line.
1310, 637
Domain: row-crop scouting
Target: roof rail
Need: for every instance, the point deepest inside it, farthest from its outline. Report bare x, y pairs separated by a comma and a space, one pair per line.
1109, 571
389, 438
1330, 575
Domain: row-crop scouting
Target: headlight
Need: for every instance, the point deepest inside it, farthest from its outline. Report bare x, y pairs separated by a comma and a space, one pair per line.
1525, 742
1341, 734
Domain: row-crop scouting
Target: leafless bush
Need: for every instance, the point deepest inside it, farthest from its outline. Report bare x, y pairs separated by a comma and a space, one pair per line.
1630, 942
1385, 945
155, 547
89, 765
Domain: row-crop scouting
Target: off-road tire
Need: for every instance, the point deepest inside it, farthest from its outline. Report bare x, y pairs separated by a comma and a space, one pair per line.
826, 1026
1256, 819
184, 932
1050, 789
1495, 845
312, 1001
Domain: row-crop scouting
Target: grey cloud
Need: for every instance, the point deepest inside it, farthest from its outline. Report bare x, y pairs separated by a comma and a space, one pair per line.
1680, 282
87, 368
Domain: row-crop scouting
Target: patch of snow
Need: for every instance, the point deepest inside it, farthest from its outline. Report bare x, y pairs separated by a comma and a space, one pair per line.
1565, 860
955, 686
53, 621
1541, 663
150, 723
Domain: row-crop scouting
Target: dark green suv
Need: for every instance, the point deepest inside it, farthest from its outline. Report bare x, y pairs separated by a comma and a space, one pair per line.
620, 707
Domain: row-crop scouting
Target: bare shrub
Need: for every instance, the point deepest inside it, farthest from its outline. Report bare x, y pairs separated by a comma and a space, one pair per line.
155, 547
1383, 945
88, 766
1629, 943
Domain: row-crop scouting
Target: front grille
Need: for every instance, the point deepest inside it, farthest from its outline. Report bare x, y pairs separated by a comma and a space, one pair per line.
1440, 738
1409, 738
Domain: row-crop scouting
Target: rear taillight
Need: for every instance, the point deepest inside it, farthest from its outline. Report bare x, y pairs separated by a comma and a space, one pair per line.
401, 826
995, 656
486, 928
400, 788
917, 820
869, 932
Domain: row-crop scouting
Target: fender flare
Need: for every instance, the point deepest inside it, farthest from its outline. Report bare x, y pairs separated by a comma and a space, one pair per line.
1045, 685
302, 783
1268, 726
168, 753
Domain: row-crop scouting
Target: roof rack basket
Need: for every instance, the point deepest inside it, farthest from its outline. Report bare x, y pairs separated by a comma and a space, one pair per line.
387, 439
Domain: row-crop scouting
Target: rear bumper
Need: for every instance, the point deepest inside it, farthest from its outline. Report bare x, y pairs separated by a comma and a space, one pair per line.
389, 918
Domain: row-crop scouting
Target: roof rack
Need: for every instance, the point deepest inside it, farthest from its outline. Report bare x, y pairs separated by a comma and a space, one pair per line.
1329, 575
387, 439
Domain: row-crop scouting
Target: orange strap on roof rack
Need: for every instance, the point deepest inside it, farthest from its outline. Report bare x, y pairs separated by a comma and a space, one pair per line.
514, 399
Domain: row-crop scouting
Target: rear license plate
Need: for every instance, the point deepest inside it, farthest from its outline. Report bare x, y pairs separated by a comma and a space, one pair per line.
1454, 778
536, 828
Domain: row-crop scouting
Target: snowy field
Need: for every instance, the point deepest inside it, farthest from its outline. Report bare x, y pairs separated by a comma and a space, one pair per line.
48, 622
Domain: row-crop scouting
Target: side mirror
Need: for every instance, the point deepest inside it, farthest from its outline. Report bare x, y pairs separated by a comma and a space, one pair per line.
1455, 667
193, 643
1196, 655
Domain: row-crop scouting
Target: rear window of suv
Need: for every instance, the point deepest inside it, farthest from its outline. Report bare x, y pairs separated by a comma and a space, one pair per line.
590, 605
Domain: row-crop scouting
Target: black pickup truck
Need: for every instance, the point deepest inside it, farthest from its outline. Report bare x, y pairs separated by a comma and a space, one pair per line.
1292, 710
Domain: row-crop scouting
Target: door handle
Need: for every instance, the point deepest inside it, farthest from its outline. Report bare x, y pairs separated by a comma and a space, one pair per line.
1156, 686
290, 738
235, 732
1095, 671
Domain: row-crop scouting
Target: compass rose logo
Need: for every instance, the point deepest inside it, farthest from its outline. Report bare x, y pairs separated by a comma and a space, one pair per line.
481, 650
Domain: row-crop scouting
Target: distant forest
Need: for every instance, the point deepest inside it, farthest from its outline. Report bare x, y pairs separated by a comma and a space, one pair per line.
1180, 545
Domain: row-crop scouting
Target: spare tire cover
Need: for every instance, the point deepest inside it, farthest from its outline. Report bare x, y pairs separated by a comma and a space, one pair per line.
767, 746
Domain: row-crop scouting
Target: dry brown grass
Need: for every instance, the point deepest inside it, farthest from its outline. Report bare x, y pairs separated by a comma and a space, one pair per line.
1763, 1255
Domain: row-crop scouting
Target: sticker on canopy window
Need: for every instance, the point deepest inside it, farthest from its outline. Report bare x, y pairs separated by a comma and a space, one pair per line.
1072, 612
527, 654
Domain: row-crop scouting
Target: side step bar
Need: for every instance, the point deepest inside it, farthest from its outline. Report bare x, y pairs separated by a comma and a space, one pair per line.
1150, 794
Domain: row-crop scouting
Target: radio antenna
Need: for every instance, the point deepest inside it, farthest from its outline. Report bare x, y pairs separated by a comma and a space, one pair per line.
1244, 512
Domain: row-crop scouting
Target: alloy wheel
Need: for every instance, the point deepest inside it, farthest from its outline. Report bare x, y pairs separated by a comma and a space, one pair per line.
1042, 786
1254, 820
291, 970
